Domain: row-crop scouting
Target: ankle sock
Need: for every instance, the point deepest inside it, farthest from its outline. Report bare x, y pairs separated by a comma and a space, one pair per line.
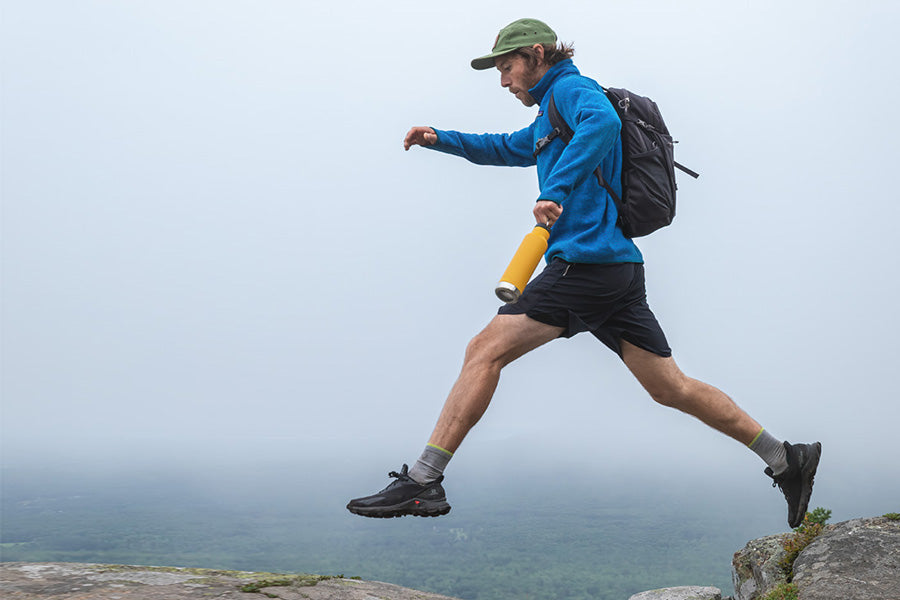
431, 464
771, 450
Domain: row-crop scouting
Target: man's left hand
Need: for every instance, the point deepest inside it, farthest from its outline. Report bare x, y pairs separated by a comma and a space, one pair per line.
547, 212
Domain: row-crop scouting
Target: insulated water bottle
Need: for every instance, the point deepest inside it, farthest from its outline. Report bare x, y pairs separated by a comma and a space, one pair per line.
523, 264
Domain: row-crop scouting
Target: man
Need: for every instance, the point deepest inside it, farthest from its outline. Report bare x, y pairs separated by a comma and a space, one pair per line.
593, 281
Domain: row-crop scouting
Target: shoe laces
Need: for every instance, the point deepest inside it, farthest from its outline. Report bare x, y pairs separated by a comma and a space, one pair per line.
776, 479
403, 475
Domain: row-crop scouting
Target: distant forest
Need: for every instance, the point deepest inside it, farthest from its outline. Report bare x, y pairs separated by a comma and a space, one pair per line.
498, 543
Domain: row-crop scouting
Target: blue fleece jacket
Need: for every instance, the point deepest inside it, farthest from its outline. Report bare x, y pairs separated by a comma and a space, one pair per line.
586, 232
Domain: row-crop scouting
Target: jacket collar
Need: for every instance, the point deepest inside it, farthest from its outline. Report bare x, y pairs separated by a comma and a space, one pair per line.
561, 69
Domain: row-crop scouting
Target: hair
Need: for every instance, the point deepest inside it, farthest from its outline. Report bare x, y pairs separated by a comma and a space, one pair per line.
553, 53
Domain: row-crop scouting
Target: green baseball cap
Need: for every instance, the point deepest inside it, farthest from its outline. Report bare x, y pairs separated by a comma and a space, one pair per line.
518, 34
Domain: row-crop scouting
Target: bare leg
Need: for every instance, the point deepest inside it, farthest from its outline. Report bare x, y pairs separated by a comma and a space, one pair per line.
666, 384
506, 338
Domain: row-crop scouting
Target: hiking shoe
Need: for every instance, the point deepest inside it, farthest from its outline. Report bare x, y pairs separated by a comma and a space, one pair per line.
403, 497
796, 482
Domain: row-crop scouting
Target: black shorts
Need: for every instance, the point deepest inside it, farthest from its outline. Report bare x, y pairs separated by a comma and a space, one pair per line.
608, 300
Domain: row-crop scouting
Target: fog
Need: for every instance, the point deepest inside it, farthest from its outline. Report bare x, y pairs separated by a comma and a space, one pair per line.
217, 259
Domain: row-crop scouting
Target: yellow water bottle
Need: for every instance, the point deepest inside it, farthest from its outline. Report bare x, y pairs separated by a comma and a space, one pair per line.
523, 264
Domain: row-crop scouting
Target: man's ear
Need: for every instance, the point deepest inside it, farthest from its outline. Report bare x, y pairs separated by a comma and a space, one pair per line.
538, 52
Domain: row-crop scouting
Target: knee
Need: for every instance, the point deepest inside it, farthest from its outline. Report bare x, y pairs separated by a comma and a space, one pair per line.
484, 350
673, 394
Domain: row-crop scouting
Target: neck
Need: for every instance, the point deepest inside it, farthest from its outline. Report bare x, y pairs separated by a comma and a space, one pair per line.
539, 72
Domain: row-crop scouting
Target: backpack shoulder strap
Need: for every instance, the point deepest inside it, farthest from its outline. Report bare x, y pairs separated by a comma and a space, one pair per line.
560, 129
556, 120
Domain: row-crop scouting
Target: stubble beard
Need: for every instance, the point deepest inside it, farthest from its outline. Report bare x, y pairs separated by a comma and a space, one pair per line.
532, 78
527, 98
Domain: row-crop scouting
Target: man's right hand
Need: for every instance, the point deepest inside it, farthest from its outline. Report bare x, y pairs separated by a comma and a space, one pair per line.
419, 136
547, 212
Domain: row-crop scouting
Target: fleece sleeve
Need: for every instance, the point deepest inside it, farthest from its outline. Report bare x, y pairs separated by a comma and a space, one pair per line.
499, 149
596, 126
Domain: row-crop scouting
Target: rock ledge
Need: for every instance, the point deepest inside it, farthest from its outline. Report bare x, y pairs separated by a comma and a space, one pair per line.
78, 581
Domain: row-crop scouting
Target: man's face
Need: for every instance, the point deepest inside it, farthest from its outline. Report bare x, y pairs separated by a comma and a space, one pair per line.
517, 76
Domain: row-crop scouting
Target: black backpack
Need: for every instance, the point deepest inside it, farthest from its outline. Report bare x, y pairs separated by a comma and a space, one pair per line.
648, 162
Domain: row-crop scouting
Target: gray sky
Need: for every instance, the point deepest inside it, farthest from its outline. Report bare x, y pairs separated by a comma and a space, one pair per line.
212, 235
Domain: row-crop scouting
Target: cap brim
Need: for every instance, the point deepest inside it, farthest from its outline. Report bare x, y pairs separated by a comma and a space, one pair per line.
487, 61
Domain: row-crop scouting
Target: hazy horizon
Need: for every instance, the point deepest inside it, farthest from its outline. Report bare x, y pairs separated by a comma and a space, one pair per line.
530, 527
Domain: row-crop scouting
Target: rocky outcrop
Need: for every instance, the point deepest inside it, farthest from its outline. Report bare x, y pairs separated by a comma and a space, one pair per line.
756, 568
858, 559
685, 592
852, 560
74, 581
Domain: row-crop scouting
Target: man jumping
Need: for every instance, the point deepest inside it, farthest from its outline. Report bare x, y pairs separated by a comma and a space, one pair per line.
593, 281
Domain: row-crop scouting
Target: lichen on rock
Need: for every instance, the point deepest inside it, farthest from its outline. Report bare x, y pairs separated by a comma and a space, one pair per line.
756, 568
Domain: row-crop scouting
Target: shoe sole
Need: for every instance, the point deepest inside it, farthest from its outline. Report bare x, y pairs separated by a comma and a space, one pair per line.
808, 473
414, 507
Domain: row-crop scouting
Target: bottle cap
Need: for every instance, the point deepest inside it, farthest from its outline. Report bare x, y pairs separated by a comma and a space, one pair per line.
507, 292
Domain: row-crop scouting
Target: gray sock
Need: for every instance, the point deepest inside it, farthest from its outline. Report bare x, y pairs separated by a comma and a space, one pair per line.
431, 464
770, 450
